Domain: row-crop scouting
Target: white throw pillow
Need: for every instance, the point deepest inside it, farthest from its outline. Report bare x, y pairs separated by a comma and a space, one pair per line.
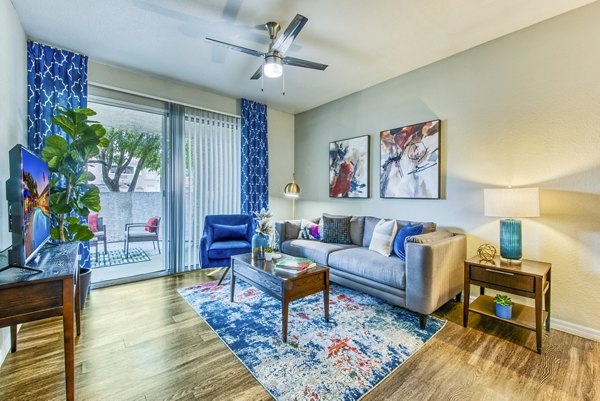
383, 237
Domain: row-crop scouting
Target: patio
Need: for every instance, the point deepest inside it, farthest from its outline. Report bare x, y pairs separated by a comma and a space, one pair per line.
143, 259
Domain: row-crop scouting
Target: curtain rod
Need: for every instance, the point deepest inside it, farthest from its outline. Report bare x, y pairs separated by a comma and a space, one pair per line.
162, 99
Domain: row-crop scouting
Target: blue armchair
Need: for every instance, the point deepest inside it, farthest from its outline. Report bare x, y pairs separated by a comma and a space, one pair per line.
225, 235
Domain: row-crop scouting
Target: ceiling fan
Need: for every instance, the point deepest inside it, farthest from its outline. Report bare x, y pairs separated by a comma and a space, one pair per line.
274, 58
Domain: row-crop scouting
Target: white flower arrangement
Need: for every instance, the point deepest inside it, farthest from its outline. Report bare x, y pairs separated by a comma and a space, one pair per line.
263, 221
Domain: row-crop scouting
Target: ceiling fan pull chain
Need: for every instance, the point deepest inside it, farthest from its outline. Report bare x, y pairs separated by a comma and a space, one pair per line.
262, 78
283, 81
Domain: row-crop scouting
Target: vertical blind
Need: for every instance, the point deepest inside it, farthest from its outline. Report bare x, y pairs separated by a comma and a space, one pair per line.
212, 158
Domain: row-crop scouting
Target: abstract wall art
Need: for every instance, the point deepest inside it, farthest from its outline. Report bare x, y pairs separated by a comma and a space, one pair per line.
349, 168
410, 161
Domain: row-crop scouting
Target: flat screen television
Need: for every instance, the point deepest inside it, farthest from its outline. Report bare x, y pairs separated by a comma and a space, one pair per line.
28, 195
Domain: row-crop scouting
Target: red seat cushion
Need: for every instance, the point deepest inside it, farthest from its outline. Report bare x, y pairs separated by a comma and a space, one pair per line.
151, 224
93, 222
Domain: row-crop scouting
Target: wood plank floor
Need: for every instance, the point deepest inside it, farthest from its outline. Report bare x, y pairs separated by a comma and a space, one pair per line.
142, 341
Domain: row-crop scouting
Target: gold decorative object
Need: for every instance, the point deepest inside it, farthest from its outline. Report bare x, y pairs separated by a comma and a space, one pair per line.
487, 252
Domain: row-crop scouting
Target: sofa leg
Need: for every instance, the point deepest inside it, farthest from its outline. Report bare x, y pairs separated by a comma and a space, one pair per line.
458, 297
423, 321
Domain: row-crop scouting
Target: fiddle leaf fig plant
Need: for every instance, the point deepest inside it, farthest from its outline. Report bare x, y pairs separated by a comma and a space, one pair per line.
69, 188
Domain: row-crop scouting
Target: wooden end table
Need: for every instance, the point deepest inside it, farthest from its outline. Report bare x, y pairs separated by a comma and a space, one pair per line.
529, 279
286, 287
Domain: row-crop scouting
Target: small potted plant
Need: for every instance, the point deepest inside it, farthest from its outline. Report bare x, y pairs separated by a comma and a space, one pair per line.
503, 306
268, 254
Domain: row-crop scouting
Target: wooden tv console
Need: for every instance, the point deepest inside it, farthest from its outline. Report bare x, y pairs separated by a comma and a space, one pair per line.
27, 296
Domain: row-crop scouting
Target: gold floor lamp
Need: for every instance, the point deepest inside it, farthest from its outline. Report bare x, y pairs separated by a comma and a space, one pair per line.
292, 190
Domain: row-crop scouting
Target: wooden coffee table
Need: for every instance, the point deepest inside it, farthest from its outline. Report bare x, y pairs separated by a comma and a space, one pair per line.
286, 287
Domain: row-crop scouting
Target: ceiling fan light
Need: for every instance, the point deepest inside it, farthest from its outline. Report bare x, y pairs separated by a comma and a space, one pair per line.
273, 67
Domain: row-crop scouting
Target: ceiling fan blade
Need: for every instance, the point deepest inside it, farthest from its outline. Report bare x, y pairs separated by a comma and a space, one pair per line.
298, 62
284, 41
251, 52
258, 73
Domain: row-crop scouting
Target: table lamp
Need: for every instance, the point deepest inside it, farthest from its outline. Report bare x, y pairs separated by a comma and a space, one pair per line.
511, 203
292, 190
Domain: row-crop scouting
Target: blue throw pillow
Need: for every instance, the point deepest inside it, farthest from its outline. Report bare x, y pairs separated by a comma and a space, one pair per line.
222, 232
404, 232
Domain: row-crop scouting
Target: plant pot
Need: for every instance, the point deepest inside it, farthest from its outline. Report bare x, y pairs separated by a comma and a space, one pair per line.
268, 256
85, 279
503, 311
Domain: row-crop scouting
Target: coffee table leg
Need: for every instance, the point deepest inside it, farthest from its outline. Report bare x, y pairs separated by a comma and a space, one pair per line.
326, 298
232, 287
284, 320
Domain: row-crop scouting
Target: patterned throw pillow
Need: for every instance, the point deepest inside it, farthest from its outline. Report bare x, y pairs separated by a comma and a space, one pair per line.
399, 242
383, 236
336, 230
309, 230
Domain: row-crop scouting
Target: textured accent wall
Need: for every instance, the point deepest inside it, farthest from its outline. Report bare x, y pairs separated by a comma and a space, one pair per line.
13, 113
522, 110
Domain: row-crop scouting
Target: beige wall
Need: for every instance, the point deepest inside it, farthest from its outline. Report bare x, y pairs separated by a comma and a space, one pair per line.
281, 161
280, 124
522, 110
13, 112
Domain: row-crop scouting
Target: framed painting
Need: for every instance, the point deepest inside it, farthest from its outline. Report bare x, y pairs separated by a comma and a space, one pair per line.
410, 161
349, 168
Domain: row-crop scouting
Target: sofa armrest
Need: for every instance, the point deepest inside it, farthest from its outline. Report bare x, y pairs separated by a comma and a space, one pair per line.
434, 273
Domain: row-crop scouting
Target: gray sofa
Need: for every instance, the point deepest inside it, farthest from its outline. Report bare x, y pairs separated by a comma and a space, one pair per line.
431, 275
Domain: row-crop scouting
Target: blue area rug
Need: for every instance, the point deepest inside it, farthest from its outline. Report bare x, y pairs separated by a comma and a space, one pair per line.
364, 342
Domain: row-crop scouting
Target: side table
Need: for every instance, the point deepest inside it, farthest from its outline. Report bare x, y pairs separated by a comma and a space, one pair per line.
529, 279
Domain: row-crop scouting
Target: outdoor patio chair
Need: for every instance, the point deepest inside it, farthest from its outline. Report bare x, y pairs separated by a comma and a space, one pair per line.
142, 232
96, 224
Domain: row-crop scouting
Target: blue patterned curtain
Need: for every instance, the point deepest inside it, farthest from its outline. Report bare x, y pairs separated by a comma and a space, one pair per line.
54, 77
255, 157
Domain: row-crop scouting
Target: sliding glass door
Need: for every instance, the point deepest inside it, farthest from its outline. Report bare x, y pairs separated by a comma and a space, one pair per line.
168, 166
129, 228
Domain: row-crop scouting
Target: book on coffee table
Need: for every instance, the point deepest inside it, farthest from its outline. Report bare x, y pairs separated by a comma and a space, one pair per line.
294, 264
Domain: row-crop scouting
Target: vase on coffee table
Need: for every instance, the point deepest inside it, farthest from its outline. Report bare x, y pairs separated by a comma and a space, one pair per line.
260, 241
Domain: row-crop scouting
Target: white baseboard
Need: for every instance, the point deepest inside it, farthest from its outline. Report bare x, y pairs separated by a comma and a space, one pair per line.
5, 346
568, 327
575, 329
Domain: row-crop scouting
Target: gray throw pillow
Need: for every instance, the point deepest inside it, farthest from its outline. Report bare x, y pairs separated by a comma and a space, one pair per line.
336, 230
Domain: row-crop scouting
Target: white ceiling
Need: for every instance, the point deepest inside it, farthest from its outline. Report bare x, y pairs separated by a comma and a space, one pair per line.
363, 42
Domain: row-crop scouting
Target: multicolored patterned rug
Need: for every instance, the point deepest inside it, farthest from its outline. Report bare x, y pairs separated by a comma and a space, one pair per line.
117, 257
364, 342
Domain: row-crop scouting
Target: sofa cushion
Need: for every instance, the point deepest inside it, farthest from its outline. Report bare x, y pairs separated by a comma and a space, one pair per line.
429, 237
336, 230
292, 229
225, 249
370, 265
383, 237
357, 228
370, 223
399, 241
315, 250
309, 230
223, 232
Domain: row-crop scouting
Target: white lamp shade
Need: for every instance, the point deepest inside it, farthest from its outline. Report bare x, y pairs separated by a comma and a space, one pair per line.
511, 202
